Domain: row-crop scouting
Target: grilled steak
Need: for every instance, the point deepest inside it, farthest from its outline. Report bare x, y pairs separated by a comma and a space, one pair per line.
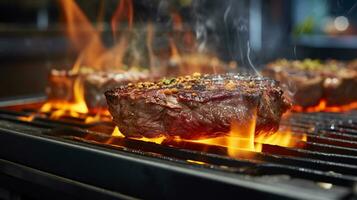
340, 87
95, 84
305, 86
60, 85
313, 80
196, 106
62, 82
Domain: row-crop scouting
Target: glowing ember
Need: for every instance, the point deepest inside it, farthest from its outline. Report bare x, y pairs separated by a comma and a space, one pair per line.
322, 107
196, 162
157, 140
116, 133
91, 119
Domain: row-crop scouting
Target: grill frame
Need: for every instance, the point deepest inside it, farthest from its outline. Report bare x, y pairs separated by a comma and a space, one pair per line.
195, 180
181, 176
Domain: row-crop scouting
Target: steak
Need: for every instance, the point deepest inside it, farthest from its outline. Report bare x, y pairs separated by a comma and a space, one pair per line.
312, 80
197, 106
95, 84
60, 85
305, 87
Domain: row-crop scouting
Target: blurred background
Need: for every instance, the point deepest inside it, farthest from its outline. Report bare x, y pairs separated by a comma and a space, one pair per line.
34, 39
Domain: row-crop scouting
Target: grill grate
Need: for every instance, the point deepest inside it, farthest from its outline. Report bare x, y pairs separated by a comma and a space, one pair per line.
329, 155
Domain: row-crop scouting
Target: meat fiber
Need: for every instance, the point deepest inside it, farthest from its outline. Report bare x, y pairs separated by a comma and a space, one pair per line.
197, 106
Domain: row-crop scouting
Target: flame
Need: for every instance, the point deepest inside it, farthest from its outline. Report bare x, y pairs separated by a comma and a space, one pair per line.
28, 118
196, 162
175, 55
93, 119
82, 35
124, 10
242, 138
86, 39
157, 140
284, 138
116, 132
187, 54
323, 107
59, 108
248, 141
177, 21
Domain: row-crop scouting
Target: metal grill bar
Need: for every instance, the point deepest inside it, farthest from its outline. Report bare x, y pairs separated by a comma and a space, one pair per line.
329, 154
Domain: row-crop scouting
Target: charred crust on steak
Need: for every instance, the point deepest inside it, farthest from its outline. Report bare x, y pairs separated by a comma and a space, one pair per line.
196, 106
200, 88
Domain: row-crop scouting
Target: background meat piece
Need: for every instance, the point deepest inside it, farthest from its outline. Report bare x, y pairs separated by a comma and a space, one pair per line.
340, 88
194, 107
96, 84
309, 81
62, 82
60, 85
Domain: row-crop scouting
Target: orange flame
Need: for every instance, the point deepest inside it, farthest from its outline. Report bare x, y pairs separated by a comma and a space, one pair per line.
82, 34
196, 162
62, 107
177, 21
28, 118
124, 10
242, 138
117, 133
86, 38
283, 138
322, 106
187, 54
175, 55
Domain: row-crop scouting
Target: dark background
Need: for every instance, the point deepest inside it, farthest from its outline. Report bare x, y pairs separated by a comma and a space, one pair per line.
33, 41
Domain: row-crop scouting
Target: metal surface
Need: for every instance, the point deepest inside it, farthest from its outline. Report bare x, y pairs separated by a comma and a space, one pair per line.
137, 175
324, 167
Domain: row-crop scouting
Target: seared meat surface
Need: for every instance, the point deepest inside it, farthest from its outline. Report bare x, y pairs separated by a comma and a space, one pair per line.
95, 84
197, 106
312, 80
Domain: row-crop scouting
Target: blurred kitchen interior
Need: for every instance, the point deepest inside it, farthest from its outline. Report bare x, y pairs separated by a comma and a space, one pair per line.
250, 32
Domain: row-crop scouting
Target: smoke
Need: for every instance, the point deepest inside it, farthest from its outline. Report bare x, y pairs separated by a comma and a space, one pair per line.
201, 36
222, 27
250, 61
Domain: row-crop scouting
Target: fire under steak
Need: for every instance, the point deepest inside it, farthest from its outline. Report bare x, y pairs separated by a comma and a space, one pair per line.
197, 106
